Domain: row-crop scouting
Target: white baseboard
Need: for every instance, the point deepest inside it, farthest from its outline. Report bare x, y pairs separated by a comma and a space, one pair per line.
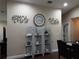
23, 55
16, 56
55, 50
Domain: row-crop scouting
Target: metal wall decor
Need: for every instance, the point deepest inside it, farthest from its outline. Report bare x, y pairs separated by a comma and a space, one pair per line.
53, 20
19, 19
39, 20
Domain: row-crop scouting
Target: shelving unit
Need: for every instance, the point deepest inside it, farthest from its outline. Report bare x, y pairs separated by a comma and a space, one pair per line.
28, 44
37, 42
47, 43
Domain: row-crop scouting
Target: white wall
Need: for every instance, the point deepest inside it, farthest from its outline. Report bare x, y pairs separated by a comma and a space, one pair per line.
68, 19
16, 32
3, 8
3, 18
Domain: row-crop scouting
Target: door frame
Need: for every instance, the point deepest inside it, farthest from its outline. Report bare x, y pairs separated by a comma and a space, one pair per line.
72, 28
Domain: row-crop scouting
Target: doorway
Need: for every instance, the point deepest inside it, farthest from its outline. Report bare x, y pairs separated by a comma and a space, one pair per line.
75, 28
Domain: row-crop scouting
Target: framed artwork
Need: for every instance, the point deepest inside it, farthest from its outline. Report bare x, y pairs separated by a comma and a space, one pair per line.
39, 20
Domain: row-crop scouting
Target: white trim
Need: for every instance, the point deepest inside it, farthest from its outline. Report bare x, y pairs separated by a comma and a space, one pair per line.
23, 55
17, 56
55, 50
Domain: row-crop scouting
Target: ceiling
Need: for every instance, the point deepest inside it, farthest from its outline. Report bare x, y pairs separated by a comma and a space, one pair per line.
55, 4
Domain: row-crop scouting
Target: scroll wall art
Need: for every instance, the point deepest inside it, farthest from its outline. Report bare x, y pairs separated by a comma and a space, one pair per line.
19, 19
53, 20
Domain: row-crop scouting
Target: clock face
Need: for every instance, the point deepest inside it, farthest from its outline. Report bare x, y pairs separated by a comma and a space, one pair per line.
39, 20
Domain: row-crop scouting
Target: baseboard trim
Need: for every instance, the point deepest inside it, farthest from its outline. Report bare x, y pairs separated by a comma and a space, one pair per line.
16, 56
23, 55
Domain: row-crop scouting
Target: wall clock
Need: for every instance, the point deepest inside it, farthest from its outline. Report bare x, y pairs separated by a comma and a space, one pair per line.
39, 20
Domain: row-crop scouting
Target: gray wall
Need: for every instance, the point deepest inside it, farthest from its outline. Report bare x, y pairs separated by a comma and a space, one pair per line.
3, 17
16, 32
3, 7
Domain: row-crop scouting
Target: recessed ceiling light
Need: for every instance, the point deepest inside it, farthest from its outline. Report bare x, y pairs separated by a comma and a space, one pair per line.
50, 2
65, 4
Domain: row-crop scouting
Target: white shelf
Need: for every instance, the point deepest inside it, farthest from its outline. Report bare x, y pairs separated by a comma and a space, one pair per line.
38, 53
28, 45
28, 35
28, 54
47, 34
29, 40
39, 42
